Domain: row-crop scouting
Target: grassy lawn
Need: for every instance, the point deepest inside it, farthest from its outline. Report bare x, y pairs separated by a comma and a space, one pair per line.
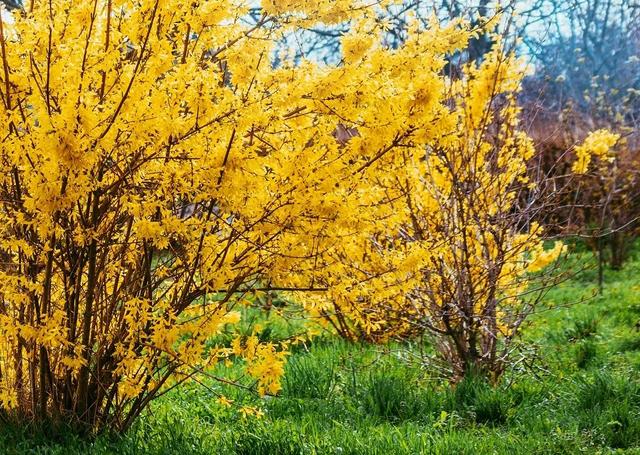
582, 396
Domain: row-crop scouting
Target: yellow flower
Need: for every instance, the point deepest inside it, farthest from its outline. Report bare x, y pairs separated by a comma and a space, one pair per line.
598, 143
221, 400
250, 411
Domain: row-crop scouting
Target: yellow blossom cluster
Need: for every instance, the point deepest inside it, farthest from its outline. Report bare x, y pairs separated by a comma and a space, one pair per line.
597, 143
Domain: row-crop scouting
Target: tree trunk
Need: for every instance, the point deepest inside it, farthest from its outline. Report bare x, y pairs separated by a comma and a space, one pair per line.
618, 244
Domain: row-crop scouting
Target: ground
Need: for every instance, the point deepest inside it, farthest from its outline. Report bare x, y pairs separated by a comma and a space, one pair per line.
581, 394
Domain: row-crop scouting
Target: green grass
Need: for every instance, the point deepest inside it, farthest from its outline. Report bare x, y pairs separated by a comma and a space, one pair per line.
583, 396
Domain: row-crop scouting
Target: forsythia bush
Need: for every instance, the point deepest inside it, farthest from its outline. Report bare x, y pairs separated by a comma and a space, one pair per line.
154, 168
440, 238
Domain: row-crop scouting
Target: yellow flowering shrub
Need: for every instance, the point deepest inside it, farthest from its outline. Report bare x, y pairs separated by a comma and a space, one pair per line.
437, 235
155, 166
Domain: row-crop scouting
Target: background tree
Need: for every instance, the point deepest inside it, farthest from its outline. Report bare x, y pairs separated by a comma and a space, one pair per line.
587, 64
12, 4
